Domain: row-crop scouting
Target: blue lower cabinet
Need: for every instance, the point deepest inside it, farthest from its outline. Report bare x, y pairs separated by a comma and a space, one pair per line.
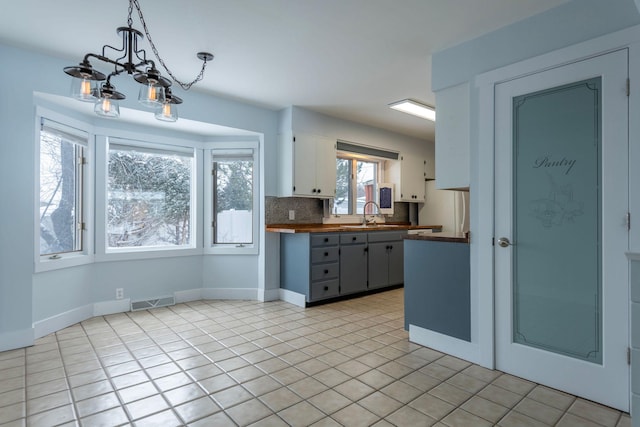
327, 265
437, 287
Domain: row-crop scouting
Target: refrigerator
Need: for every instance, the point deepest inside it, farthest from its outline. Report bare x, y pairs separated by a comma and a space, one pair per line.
449, 208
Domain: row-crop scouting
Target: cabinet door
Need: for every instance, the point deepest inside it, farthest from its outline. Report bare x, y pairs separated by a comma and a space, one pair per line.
396, 263
453, 136
378, 268
413, 175
325, 161
304, 166
353, 268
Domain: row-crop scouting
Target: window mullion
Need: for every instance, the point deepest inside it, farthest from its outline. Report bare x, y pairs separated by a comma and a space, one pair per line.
353, 186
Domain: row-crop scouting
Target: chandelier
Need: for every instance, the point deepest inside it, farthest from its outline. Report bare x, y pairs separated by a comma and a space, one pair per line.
155, 90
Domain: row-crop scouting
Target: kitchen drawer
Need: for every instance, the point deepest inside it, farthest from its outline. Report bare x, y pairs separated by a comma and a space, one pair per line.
385, 236
328, 254
324, 239
325, 271
349, 238
328, 289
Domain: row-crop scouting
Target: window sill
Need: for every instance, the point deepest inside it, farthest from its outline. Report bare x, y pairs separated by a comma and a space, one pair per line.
232, 250
45, 263
128, 254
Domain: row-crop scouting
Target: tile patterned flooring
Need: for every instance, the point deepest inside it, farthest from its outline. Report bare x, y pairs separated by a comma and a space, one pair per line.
228, 363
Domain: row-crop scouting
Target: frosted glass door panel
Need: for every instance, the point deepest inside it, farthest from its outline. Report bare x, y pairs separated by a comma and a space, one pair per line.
557, 292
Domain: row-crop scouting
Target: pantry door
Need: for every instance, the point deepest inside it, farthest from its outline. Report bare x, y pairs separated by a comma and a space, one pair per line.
561, 203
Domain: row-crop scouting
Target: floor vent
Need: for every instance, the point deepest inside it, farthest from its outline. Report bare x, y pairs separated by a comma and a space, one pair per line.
152, 303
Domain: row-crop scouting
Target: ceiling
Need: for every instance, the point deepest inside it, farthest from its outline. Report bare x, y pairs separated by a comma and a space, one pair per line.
343, 58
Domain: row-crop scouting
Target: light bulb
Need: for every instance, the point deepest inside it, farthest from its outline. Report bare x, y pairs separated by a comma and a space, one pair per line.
153, 93
106, 105
85, 88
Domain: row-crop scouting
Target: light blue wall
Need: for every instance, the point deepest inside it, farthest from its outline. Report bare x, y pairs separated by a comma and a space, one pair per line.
565, 25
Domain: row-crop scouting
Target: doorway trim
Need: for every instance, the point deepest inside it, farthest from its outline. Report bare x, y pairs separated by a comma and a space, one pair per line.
482, 164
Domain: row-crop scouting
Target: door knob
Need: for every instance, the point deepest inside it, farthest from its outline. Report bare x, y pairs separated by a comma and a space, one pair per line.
504, 242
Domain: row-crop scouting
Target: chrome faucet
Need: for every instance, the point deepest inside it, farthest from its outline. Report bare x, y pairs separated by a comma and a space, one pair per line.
364, 211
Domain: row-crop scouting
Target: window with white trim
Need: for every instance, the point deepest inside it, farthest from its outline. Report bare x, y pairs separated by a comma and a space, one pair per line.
149, 196
61, 183
233, 196
355, 184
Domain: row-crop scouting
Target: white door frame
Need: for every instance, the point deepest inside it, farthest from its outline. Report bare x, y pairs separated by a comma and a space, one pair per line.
606, 382
482, 165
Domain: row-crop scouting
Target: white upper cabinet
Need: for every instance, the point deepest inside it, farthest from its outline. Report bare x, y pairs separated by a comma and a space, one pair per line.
409, 174
453, 137
308, 167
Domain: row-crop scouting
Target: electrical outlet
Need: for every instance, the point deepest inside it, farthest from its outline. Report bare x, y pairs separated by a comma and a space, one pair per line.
292, 215
119, 293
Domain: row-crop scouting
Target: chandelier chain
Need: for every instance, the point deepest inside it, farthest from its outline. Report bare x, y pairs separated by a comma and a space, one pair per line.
185, 86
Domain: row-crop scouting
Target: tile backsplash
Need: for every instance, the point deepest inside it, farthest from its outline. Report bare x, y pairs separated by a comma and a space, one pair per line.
310, 211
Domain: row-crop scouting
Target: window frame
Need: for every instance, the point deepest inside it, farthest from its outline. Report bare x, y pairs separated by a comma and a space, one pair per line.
353, 180
209, 213
86, 254
162, 144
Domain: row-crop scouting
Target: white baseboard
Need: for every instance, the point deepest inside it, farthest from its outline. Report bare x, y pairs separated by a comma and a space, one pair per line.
188, 295
60, 321
16, 339
444, 343
230, 293
293, 297
104, 308
268, 294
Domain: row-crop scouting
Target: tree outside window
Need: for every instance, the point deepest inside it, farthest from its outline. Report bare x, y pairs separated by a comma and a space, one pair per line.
149, 197
355, 184
233, 197
61, 177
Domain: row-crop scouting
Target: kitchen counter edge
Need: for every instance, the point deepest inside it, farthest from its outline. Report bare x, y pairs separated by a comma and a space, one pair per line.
328, 228
440, 237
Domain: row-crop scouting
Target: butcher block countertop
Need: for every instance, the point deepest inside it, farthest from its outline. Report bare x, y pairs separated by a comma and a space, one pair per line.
329, 228
439, 237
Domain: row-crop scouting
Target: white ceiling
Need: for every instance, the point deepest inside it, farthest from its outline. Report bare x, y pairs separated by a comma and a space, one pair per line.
344, 58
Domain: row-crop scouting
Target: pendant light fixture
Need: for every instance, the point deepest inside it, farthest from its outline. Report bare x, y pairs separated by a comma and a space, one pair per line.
168, 112
155, 90
107, 101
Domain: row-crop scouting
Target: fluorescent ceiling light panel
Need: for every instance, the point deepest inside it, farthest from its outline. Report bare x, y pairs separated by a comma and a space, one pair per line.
410, 106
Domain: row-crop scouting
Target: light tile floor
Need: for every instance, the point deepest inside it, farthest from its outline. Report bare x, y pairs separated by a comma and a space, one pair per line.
219, 363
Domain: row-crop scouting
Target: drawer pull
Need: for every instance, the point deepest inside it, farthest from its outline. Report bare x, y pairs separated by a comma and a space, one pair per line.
326, 288
354, 238
326, 254
326, 272
326, 239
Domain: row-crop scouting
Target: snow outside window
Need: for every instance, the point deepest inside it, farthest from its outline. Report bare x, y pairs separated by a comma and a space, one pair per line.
61, 180
149, 197
233, 197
